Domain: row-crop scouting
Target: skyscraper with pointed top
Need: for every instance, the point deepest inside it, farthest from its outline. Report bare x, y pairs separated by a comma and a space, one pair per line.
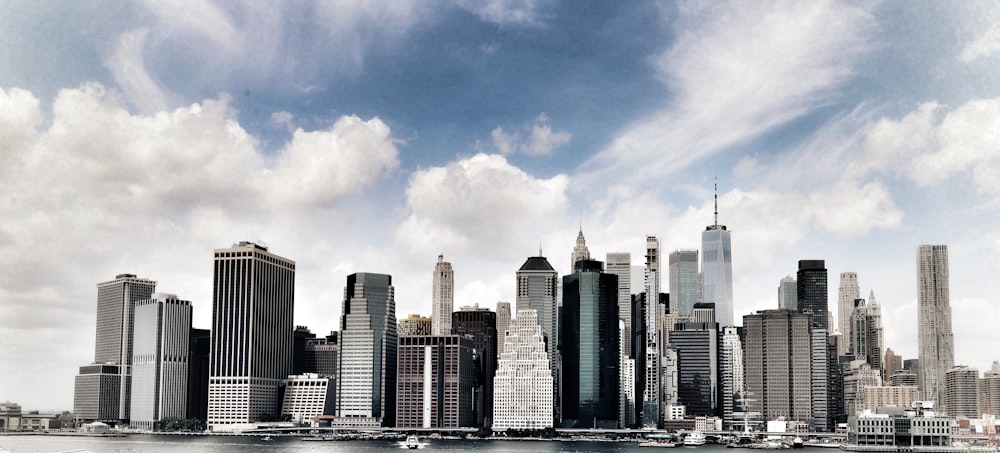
443, 301
537, 288
717, 267
580, 251
866, 332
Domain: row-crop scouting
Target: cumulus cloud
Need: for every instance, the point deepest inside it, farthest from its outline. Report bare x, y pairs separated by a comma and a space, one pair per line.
982, 47
930, 144
541, 139
736, 73
480, 201
507, 12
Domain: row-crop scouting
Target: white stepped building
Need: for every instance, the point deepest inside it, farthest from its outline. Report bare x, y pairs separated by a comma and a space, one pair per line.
523, 385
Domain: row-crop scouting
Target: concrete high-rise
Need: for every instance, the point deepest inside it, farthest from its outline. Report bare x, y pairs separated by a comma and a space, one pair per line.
434, 388
366, 392
731, 380
847, 293
991, 389
685, 281
414, 325
523, 386
935, 341
503, 322
962, 392
620, 265
253, 301
589, 348
811, 291
113, 346
443, 302
787, 294
717, 268
891, 363
779, 362
160, 359
652, 394
480, 325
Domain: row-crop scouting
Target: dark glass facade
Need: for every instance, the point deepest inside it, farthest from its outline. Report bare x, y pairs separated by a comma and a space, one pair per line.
812, 291
481, 326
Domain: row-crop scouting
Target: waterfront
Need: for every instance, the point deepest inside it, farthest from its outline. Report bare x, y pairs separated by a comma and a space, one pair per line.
140, 443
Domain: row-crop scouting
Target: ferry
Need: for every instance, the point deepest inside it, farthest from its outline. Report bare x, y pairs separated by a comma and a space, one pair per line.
694, 439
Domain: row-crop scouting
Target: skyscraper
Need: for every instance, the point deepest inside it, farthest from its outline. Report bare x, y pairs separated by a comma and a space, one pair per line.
523, 386
113, 346
787, 294
620, 265
847, 293
503, 321
935, 342
652, 400
537, 284
253, 301
779, 363
962, 392
717, 267
480, 325
366, 391
697, 345
891, 363
866, 332
685, 281
160, 358
580, 250
414, 325
434, 388
589, 347
811, 291
444, 297
730, 375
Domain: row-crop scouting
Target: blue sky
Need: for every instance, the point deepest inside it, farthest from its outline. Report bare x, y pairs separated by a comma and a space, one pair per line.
371, 136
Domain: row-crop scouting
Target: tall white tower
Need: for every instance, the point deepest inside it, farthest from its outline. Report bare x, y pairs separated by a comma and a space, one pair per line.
620, 264
443, 297
523, 387
934, 336
503, 323
652, 398
160, 357
847, 294
580, 251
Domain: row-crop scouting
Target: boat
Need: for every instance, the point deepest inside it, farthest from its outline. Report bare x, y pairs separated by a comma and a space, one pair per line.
412, 443
694, 439
658, 444
797, 442
266, 438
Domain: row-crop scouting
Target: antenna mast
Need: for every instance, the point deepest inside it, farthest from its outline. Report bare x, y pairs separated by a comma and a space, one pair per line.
716, 201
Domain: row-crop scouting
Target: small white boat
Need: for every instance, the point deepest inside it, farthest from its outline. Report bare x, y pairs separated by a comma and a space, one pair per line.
412, 443
694, 439
658, 444
266, 438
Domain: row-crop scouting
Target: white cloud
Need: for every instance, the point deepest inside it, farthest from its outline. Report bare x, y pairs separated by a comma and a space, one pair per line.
507, 12
982, 47
128, 67
541, 139
284, 120
736, 73
482, 202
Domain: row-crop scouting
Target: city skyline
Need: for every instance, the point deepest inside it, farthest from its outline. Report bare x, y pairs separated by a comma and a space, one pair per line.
372, 137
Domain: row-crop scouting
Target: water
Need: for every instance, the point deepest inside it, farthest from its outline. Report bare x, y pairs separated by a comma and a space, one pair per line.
234, 444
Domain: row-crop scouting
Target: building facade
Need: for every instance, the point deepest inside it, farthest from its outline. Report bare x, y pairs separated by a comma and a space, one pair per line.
580, 250
253, 299
697, 346
717, 267
413, 325
366, 385
620, 265
443, 300
97, 394
589, 347
847, 293
523, 386
434, 386
480, 325
811, 290
160, 360
503, 322
308, 396
685, 281
866, 332
962, 393
778, 363
652, 394
730, 375
935, 342
788, 294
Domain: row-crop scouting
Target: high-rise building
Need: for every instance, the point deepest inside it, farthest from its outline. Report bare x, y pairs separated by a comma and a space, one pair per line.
444, 297
589, 347
199, 363
253, 300
97, 394
991, 390
537, 285
322, 357
523, 386
858, 375
414, 325
811, 291
685, 281
620, 265
778, 363
160, 359
308, 396
366, 386
652, 396
480, 325
300, 337
113, 346
730, 375
697, 366
847, 293
962, 392
717, 267
503, 322
822, 400
891, 363
866, 330
626, 379
580, 250
935, 342
787, 296
434, 387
